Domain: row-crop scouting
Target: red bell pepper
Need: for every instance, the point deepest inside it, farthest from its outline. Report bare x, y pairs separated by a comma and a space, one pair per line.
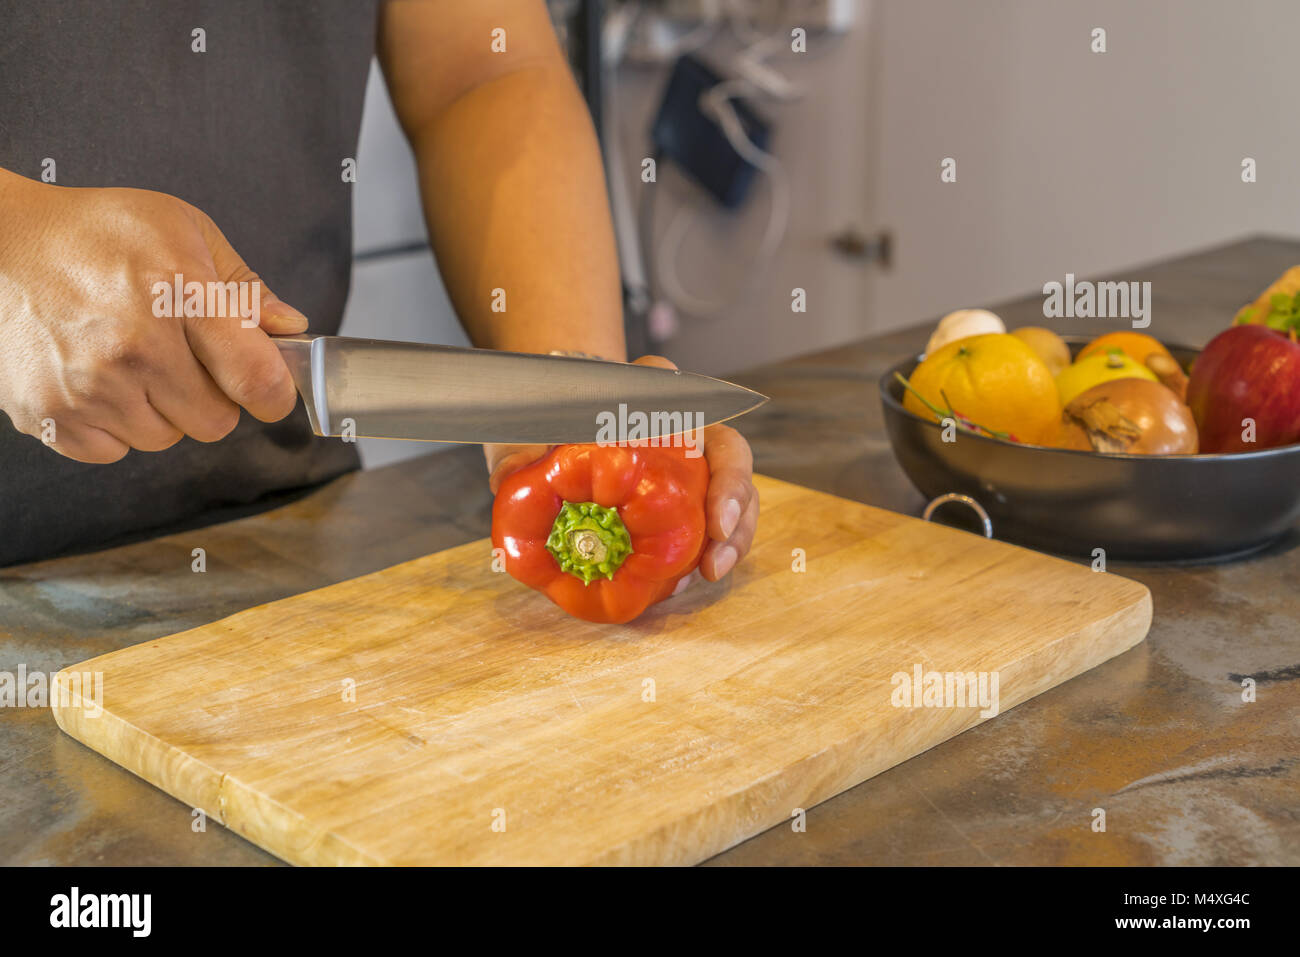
603, 531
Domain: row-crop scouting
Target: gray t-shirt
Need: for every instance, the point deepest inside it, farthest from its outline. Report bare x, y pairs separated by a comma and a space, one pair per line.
254, 132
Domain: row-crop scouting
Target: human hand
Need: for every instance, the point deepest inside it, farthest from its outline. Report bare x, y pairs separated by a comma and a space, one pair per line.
86, 364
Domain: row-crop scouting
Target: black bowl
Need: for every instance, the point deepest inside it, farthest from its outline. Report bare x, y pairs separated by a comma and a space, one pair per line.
1136, 507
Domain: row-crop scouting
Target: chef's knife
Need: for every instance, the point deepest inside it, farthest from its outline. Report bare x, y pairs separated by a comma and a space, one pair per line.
404, 390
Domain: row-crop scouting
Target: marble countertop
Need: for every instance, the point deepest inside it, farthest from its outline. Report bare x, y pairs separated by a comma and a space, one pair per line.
1188, 773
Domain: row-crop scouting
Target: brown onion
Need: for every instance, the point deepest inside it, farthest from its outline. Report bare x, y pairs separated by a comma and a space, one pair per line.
1136, 416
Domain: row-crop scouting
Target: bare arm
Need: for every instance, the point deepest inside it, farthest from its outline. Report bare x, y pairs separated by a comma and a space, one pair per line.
510, 173
514, 197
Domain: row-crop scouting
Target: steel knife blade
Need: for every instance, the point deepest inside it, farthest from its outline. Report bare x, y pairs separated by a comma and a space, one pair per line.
403, 390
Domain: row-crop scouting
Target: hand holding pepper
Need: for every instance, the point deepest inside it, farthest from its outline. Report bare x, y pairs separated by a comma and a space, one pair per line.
731, 502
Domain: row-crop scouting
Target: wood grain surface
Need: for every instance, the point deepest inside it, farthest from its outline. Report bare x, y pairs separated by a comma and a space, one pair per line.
438, 712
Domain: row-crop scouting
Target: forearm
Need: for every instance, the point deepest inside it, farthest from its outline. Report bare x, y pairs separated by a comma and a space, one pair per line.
13, 190
515, 201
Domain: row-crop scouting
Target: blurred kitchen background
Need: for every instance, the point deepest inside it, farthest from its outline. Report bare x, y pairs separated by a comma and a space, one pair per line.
1067, 160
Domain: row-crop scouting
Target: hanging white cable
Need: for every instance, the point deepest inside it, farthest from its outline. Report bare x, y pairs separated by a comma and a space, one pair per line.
716, 103
751, 62
711, 21
755, 78
619, 28
739, 21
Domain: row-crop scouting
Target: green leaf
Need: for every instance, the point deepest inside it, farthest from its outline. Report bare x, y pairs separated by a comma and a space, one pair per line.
1283, 313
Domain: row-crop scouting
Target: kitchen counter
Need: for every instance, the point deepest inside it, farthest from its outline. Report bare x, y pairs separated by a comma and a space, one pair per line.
1159, 737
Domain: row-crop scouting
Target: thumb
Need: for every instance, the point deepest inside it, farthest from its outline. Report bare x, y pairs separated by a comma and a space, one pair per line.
659, 362
274, 315
278, 317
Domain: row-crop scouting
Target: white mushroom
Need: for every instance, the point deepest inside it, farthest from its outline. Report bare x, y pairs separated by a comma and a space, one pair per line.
960, 325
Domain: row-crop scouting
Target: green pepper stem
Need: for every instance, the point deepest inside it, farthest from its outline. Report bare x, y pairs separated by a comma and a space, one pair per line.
589, 541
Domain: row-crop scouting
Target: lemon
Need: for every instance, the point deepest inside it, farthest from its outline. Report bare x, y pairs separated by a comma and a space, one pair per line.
1093, 370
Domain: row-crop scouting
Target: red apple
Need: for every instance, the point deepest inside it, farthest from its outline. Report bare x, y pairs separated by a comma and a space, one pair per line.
1246, 372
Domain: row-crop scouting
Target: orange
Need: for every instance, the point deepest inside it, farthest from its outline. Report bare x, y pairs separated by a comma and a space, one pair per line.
994, 380
1136, 345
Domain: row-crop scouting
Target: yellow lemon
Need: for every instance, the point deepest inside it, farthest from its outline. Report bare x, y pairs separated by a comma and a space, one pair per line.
1094, 370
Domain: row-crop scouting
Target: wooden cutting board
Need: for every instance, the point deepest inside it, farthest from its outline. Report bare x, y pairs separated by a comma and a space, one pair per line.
439, 712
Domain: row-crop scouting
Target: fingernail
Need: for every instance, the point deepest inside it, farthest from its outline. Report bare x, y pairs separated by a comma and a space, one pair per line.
684, 584
284, 314
725, 561
730, 516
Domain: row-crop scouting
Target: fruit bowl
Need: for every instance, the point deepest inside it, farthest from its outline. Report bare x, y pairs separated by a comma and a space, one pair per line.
1158, 508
